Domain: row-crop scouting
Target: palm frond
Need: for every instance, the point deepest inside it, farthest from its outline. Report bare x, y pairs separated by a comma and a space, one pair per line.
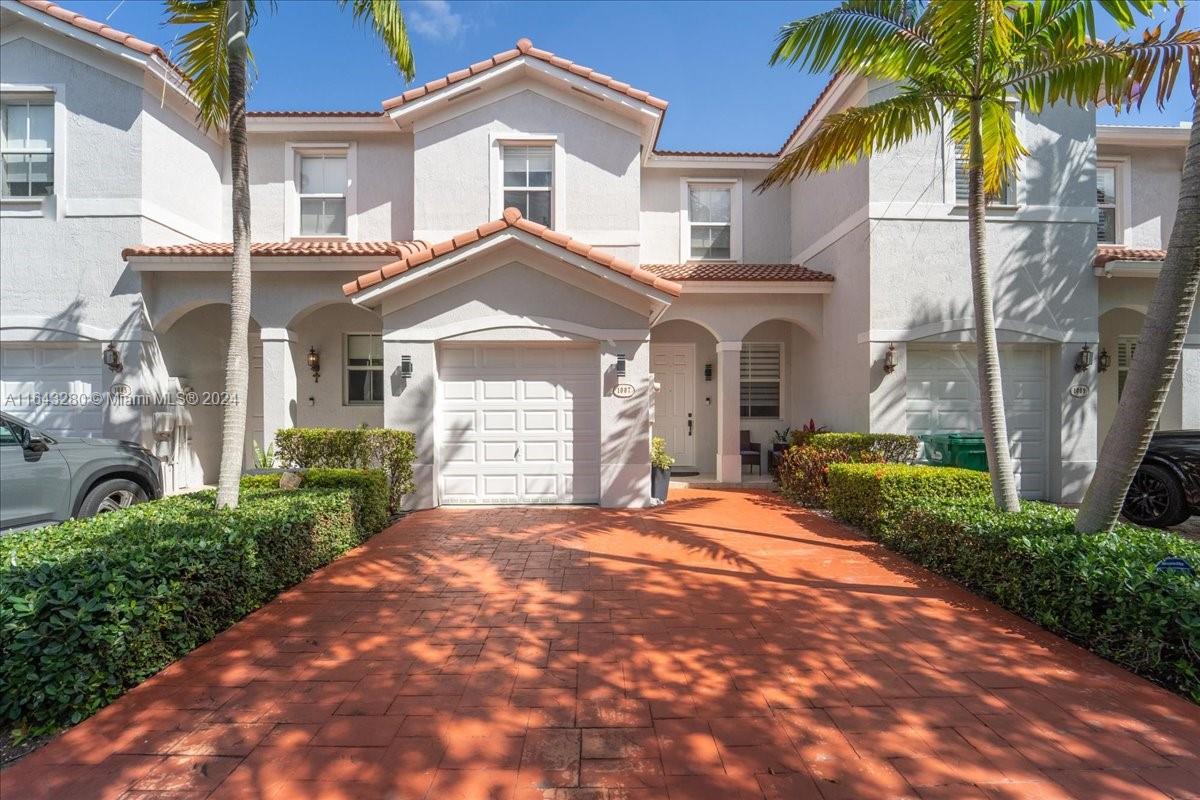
849, 135
205, 55
869, 37
1002, 149
387, 20
951, 26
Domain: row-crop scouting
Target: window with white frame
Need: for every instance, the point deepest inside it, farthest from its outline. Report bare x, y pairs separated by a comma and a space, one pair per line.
710, 212
26, 147
323, 182
364, 368
1125, 347
962, 174
1106, 203
528, 180
761, 380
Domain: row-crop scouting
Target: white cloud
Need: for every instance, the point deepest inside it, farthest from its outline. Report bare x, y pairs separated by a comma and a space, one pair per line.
434, 19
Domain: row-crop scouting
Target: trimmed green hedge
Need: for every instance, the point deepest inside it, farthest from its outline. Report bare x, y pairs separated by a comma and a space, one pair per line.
802, 472
872, 496
1099, 590
388, 449
90, 608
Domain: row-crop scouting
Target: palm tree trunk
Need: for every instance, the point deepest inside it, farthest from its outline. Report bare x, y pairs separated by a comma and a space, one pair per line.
237, 363
991, 389
1156, 357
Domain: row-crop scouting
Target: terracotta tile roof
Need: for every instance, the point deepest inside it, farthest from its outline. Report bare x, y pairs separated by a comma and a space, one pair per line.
98, 28
1112, 252
716, 153
512, 219
717, 271
314, 114
525, 48
299, 247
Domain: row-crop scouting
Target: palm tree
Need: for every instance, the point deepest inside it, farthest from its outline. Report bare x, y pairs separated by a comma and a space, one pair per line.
965, 61
1156, 357
215, 52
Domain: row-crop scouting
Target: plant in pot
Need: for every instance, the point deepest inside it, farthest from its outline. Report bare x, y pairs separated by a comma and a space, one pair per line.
660, 469
782, 441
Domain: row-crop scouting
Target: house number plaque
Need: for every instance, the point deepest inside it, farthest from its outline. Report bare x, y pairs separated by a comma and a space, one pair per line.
623, 390
1079, 390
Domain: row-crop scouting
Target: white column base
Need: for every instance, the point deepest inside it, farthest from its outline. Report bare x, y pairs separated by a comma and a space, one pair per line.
729, 467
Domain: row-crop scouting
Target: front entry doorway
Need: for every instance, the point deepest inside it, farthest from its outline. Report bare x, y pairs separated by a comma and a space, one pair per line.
674, 367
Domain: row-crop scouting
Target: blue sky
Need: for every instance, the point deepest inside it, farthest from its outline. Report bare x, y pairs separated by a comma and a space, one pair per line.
709, 59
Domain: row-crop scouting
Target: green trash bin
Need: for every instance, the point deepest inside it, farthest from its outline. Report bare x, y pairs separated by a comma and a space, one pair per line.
937, 449
967, 450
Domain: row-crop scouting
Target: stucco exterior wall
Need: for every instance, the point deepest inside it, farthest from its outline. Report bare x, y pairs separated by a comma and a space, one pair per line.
599, 181
766, 226
322, 403
1154, 184
182, 170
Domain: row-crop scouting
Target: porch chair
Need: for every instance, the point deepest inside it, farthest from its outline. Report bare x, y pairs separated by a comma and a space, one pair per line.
751, 453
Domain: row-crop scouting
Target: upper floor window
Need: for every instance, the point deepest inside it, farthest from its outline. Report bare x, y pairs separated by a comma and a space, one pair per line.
1106, 203
711, 221
364, 368
761, 379
528, 178
323, 181
26, 147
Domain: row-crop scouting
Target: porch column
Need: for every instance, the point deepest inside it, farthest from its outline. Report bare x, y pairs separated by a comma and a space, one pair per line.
279, 382
1187, 378
729, 378
1073, 424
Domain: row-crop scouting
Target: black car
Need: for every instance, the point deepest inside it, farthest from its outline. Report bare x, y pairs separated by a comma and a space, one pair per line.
1166, 489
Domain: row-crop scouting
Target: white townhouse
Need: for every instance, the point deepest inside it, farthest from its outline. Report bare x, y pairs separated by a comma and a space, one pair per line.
503, 261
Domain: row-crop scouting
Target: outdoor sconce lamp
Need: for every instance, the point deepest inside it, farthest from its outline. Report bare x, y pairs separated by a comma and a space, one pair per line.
1103, 361
406, 367
314, 363
620, 365
112, 358
708, 373
1084, 360
889, 360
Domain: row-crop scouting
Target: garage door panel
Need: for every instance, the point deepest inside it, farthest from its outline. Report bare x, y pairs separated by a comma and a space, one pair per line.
527, 400
458, 390
460, 422
28, 369
943, 396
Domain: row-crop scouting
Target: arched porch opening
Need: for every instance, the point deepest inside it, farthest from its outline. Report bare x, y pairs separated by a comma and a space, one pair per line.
683, 359
348, 340
776, 390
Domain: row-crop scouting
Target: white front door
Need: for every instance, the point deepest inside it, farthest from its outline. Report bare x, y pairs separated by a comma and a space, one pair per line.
673, 366
519, 423
943, 397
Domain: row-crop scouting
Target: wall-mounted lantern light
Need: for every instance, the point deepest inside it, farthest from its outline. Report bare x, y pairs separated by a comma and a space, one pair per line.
620, 365
1103, 361
1083, 361
889, 360
314, 363
708, 373
406, 368
112, 358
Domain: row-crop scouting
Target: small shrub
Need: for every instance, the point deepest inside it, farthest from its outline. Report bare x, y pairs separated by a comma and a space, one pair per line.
892, 448
391, 450
802, 472
658, 454
92, 607
873, 496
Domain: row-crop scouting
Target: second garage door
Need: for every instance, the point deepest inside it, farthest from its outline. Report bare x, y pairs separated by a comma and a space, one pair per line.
519, 423
943, 396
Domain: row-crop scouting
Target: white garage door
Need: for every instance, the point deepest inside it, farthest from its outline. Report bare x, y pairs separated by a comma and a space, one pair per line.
943, 396
50, 384
519, 424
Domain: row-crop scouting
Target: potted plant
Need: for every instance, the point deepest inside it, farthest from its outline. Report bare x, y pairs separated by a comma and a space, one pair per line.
660, 469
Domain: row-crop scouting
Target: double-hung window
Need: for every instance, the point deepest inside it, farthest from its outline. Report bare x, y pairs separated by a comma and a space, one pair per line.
323, 182
364, 368
528, 180
1106, 203
710, 231
26, 147
761, 380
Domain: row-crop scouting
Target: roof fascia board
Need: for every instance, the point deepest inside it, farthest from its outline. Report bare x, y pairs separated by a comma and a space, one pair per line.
331, 124
1129, 269
659, 161
1142, 136
841, 86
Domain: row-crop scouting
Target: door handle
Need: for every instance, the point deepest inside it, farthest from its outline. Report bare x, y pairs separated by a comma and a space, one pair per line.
691, 422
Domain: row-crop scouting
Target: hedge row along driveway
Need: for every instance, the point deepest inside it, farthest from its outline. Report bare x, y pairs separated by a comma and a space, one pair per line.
725, 645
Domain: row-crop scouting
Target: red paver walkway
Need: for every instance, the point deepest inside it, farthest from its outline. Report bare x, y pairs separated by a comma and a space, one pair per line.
724, 646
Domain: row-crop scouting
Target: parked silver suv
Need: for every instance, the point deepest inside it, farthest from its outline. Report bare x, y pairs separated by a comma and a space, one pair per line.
47, 479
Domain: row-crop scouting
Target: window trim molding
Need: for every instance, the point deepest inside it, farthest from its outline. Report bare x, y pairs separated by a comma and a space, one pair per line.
52, 205
292, 152
782, 379
735, 219
949, 160
1124, 205
496, 142
346, 401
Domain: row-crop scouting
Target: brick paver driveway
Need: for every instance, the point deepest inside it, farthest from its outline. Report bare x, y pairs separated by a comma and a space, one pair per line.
724, 646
